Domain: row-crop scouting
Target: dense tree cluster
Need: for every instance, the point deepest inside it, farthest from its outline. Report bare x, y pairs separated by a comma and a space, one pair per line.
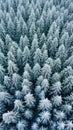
36, 64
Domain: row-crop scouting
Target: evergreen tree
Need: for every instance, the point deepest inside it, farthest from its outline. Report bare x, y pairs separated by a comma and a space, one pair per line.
34, 45
2, 32
46, 71
16, 80
22, 44
45, 85
12, 67
41, 24
19, 57
38, 56
62, 54
11, 29
57, 101
53, 47
2, 71
68, 85
2, 59
36, 70
8, 41
7, 81
21, 125
26, 55
32, 31
29, 100
18, 105
55, 77
64, 39
11, 56
42, 40
45, 105
69, 62
10, 117
57, 64
5, 97
56, 88
31, 17
2, 47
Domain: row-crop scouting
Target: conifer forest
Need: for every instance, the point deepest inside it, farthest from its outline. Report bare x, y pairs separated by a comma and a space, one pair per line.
36, 64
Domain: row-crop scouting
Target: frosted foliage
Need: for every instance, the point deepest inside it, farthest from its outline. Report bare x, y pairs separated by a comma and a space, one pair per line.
28, 114
21, 125
29, 100
36, 64
61, 126
57, 100
9, 117
45, 104
45, 117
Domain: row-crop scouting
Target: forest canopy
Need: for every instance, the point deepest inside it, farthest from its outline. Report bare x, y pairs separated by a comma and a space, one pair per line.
36, 64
